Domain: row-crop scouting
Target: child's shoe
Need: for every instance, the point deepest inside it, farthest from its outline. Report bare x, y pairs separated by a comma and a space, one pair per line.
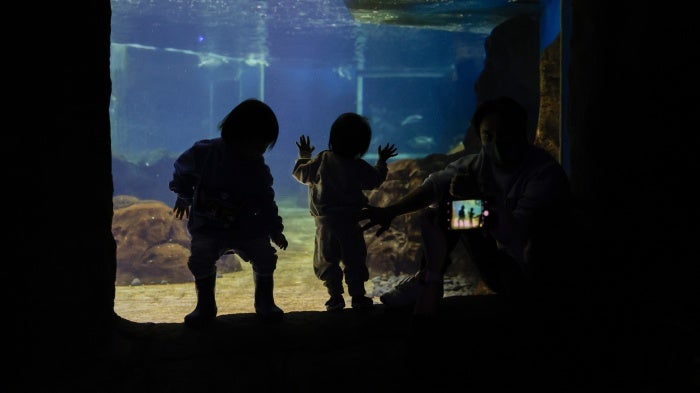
335, 303
361, 302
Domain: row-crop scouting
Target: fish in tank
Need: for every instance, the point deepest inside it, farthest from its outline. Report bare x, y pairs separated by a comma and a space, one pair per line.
177, 68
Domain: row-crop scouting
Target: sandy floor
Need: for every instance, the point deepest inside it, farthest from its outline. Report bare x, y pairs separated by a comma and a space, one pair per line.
296, 287
294, 291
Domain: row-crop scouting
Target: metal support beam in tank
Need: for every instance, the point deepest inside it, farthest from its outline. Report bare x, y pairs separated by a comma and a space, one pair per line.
407, 73
360, 94
261, 84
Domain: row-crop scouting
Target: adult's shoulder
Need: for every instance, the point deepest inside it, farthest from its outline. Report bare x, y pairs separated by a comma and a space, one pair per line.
540, 156
542, 163
467, 160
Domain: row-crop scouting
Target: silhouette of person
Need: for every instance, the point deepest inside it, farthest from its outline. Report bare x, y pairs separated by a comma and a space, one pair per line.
336, 179
224, 188
529, 199
462, 215
471, 216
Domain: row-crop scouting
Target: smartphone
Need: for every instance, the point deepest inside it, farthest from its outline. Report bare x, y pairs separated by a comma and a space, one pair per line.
464, 214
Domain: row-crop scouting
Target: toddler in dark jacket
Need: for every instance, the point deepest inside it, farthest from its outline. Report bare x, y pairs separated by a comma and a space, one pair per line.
224, 188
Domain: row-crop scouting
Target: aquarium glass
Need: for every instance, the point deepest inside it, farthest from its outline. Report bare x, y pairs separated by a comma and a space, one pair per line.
178, 67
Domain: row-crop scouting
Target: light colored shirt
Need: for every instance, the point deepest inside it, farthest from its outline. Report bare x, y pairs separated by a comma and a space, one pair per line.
337, 184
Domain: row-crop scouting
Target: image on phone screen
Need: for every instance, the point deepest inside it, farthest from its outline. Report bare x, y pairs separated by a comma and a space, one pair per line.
466, 214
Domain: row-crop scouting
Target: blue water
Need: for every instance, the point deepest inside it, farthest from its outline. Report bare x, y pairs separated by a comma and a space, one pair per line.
178, 67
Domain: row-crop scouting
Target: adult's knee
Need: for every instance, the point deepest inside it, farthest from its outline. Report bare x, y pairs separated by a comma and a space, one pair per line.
429, 216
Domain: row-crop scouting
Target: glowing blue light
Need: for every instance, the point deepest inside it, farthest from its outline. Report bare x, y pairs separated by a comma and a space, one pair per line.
200, 38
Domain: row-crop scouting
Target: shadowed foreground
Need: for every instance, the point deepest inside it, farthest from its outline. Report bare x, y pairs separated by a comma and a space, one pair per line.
470, 345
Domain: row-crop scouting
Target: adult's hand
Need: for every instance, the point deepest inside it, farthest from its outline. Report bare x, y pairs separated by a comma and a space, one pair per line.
381, 216
464, 186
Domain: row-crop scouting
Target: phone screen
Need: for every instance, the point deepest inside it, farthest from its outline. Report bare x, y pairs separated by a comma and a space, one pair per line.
466, 214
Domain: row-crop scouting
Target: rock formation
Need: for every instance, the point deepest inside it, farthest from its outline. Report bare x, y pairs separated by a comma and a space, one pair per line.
152, 245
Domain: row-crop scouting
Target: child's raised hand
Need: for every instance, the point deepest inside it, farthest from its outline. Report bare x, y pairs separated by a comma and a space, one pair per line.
304, 145
386, 152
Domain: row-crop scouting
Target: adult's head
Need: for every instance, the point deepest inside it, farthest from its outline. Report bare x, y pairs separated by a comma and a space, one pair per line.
350, 135
251, 123
502, 129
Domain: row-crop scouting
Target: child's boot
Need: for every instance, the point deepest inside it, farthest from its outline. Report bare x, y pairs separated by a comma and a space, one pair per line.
357, 293
205, 311
429, 296
265, 306
335, 302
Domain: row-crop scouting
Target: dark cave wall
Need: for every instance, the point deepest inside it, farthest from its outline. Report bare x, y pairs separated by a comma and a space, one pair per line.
61, 277
630, 112
630, 104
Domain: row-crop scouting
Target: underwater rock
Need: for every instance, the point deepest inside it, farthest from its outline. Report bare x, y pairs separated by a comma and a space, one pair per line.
548, 128
398, 250
152, 245
121, 201
511, 68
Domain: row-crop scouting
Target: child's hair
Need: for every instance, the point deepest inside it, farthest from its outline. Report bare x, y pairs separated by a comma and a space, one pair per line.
252, 120
350, 135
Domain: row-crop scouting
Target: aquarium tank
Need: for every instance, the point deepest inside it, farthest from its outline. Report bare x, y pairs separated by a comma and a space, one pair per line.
178, 67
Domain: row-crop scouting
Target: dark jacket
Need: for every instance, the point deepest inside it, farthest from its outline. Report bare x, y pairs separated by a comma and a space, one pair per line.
228, 193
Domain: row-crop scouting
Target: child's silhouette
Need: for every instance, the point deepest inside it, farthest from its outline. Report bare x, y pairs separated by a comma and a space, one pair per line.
337, 178
224, 187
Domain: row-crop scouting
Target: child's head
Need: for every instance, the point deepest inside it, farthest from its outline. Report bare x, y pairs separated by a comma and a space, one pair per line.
251, 124
350, 135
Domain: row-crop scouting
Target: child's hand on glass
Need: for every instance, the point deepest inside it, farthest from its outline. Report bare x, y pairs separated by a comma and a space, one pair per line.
386, 152
305, 148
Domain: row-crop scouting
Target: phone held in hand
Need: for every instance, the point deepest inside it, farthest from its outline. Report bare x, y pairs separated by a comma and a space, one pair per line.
465, 214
